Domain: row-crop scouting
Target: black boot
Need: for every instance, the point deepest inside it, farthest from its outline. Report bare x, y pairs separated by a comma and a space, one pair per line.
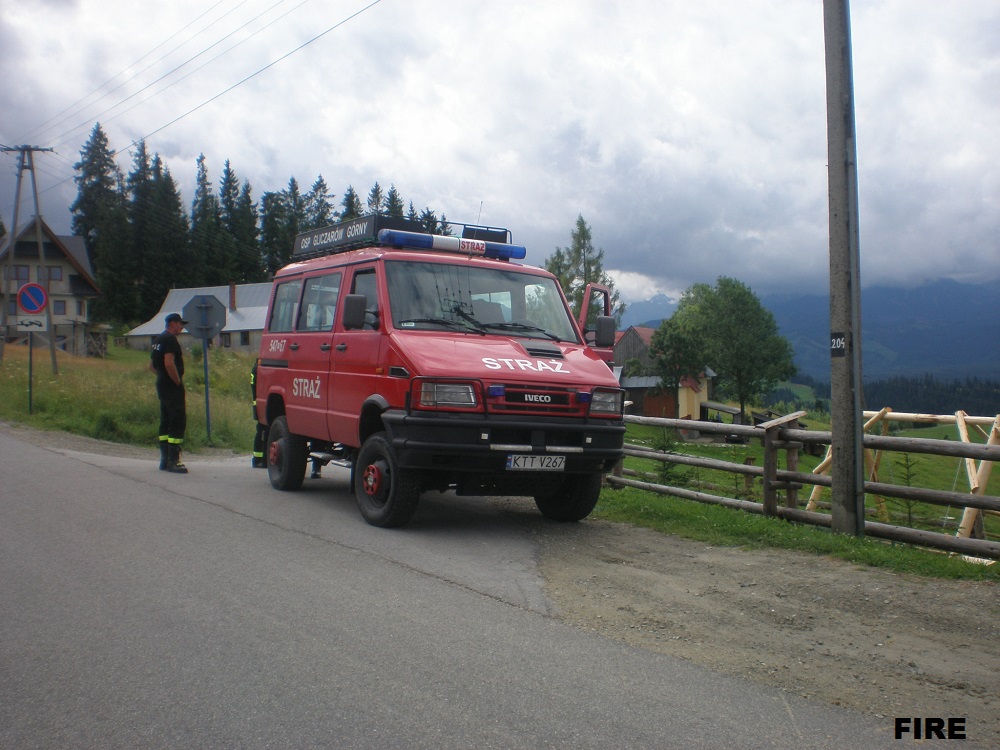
174, 464
164, 454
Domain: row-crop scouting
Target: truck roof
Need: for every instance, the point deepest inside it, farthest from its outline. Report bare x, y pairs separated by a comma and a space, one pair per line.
392, 231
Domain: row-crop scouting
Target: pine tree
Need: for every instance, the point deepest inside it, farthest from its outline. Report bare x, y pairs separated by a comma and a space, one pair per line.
248, 262
393, 203
273, 219
351, 205
167, 257
143, 224
430, 221
376, 200
100, 216
581, 264
239, 220
317, 207
98, 179
412, 214
213, 248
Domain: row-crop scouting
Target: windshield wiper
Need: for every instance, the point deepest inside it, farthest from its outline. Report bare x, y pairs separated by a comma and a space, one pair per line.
522, 327
470, 319
445, 322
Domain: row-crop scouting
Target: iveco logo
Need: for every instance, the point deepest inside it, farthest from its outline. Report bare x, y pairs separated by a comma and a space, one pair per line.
538, 398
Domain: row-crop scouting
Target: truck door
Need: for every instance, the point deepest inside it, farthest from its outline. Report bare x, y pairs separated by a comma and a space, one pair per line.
309, 356
355, 361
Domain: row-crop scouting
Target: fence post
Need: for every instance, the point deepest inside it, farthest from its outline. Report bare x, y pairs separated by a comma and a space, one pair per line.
770, 471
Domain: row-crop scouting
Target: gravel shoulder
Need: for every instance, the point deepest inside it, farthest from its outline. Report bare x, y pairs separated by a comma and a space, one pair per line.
870, 640
874, 641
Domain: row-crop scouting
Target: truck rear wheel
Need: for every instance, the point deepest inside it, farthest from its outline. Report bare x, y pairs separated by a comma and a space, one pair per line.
287, 455
387, 495
572, 499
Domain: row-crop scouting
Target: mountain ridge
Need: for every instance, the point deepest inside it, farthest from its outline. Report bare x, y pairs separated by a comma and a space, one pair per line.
945, 328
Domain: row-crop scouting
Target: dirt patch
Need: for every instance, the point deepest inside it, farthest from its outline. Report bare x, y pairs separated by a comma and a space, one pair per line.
874, 641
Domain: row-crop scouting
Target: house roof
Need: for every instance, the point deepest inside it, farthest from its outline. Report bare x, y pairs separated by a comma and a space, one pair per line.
645, 333
71, 246
249, 315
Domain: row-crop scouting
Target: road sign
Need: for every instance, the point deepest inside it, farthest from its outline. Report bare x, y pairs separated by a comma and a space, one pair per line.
206, 316
32, 324
32, 299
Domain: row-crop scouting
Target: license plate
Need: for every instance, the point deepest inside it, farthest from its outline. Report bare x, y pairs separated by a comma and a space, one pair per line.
525, 462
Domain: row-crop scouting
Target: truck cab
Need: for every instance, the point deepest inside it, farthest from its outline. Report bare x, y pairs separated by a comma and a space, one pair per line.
430, 362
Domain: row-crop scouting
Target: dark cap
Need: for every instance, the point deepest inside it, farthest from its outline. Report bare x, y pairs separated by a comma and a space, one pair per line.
175, 318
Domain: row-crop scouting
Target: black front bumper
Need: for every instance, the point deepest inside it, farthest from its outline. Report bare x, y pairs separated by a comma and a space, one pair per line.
475, 443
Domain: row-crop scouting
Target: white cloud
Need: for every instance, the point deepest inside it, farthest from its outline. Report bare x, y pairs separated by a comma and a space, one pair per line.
690, 136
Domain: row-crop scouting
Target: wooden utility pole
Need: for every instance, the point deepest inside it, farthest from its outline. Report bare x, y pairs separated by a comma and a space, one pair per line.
847, 471
25, 160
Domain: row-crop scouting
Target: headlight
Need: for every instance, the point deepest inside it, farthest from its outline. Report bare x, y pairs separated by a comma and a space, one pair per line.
606, 402
454, 395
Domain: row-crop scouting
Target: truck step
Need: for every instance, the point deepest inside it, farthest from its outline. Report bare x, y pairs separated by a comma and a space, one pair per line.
331, 458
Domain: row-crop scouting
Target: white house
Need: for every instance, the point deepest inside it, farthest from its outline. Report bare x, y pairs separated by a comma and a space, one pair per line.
59, 263
246, 310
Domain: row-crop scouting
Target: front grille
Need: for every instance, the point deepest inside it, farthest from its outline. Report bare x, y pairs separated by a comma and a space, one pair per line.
522, 399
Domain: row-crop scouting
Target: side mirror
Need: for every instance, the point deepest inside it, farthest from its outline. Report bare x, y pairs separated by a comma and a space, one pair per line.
604, 332
355, 310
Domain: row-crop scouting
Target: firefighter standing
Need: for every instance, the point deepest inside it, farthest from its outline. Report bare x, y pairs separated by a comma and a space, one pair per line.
260, 439
167, 361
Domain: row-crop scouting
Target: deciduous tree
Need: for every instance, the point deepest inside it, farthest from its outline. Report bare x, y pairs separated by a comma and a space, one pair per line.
725, 328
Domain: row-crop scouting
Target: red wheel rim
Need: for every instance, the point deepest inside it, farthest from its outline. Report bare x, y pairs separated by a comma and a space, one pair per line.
371, 480
274, 453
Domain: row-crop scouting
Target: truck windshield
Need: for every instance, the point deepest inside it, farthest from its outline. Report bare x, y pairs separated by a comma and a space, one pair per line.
482, 300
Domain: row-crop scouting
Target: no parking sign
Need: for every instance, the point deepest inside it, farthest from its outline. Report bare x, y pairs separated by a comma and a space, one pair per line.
32, 299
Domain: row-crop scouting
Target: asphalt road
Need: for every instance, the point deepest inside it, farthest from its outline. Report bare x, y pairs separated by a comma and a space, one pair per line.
144, 610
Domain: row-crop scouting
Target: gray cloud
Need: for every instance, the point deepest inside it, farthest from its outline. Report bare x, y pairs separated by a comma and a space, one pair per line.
690, 136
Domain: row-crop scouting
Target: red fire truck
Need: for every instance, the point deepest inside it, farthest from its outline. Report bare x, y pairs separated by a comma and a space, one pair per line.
430, 362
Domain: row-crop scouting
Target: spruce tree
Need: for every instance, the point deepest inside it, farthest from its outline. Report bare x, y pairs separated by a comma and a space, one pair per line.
393, 203
351, 205
581, 264
248, 261
212, 247
273, 219
317, 206
167, 257
376, 200
239, 221
100, 216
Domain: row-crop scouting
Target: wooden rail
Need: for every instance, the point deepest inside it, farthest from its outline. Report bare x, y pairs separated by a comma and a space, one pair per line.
784, 434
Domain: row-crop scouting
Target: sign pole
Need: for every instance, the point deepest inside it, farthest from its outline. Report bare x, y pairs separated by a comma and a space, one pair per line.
209, 317
208, 411
31, 357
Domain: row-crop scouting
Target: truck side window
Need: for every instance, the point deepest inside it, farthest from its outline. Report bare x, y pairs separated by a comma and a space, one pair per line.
364, 283
319, 303
286, 306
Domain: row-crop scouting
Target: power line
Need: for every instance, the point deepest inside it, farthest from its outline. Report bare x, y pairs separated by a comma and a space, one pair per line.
100, 115
233, 86
257, 72
41, 129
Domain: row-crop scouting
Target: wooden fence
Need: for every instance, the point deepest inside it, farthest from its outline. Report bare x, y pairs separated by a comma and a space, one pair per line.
784, 434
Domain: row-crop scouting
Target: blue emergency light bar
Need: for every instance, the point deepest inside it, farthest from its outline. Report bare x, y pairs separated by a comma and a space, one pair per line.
499, 250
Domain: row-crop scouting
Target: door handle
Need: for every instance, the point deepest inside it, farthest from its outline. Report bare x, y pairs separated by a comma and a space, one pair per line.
294, 347
324, 347
341, 347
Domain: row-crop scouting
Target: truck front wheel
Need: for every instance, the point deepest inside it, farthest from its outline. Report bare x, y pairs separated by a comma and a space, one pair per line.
387, 495
572, 499
286, 456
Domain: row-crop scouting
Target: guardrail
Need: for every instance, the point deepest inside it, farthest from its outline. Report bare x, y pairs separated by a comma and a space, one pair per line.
784, 434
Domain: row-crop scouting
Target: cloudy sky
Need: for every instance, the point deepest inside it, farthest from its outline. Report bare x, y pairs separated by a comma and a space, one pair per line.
691, 136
